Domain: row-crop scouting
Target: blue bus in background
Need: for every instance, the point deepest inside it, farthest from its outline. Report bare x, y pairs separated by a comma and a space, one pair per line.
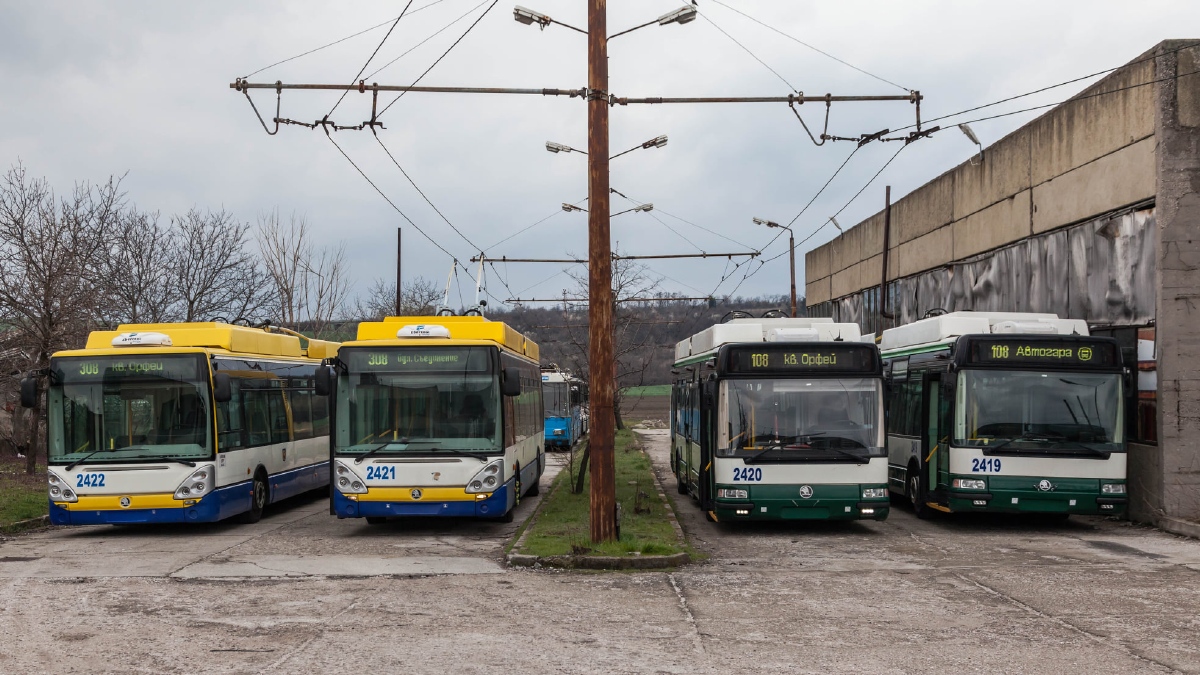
565, 399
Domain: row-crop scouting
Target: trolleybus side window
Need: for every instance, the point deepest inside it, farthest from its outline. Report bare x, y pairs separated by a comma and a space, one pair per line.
300, 401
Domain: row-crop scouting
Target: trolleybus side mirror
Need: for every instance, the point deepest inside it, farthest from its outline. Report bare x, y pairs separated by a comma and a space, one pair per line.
28, 392
323, 384
222, 391
511, 384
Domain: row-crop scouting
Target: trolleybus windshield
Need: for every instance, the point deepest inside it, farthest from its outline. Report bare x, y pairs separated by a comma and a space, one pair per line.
796, 419
418, 400
1037, 413
557, 398
124, 408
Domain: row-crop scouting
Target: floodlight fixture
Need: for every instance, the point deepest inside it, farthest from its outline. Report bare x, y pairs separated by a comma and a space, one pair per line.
551, 146
655, 143
685, 14
571, 207
530, 17
974, 139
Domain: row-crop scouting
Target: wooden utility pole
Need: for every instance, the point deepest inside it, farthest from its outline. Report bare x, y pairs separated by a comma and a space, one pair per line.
399, 284
602, 367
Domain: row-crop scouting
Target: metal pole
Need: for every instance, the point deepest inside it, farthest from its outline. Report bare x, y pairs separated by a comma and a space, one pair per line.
792, 252
602, 514
399, 286
887, 238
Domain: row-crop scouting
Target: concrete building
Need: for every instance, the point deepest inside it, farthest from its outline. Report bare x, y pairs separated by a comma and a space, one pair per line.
1091, 211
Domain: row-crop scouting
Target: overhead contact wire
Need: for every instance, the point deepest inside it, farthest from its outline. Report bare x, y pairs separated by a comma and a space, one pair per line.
372, 56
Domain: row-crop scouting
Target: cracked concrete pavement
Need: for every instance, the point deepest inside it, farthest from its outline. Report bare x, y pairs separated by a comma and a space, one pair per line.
303, 592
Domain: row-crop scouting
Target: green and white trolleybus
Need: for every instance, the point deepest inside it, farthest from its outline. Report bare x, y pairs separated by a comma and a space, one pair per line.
780, 419
1005, 412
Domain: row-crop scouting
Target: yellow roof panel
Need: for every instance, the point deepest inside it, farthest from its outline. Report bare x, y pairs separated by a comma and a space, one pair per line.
460, 328
216, 335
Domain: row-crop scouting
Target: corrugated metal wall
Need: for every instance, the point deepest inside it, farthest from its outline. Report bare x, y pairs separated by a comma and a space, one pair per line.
1101, 271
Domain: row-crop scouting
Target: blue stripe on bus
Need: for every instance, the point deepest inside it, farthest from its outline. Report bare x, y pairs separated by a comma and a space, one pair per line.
492, 507
218, 505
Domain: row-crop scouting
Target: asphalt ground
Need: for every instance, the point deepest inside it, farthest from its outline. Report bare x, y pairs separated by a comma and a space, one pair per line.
304, 592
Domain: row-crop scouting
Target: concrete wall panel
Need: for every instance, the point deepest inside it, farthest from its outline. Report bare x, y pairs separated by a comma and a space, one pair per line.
1003, 173
931, 250
1085, 129
817, 263
997, 225
817, 291
923, 210
1113, 181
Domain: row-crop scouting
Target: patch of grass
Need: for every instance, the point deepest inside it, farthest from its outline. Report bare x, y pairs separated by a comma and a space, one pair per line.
648, 390
22, 496
562, 523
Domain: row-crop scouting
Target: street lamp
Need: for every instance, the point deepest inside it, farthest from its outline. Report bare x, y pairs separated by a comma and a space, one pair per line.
571, 207
791, 253
656, 142
685, 14
640, 207
974, 139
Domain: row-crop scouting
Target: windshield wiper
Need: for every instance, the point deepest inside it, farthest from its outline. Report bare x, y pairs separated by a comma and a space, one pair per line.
464, 453
381, 446
1035, 438
778, 444
164, 458
76, 463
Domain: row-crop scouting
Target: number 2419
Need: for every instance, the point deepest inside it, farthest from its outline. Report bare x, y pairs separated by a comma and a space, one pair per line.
985, 465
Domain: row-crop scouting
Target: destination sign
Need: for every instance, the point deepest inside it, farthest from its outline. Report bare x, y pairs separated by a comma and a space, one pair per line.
839, 358
1072, 352
418, 359
98, 369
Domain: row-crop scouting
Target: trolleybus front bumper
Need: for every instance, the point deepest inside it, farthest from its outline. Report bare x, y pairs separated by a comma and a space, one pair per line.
1024, 494
785, 502
404, 501
153, 508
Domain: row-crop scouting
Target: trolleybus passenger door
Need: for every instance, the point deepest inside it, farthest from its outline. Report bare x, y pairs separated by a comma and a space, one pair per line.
935, 437
708, 440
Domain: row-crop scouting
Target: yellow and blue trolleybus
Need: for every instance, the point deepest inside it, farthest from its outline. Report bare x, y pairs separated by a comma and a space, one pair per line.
187, 422
780, 419
435, 416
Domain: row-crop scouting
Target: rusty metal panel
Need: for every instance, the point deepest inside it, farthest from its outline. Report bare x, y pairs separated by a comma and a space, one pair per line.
1101, 271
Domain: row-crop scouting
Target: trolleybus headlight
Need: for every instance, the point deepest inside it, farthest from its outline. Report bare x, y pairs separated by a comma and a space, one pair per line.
1112, 488
730, 493
198, 484
59, 492
348, 482
874, 493
487, 479
969, 484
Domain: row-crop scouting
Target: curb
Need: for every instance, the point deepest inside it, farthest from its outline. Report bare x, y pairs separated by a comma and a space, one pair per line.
604, 562
600, 562
22, 525
1184, 528
529, 523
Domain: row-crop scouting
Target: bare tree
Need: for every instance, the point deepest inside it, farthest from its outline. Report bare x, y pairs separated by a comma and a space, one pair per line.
310, 282
633, 348
137, 270
420, 298
52, 255
215, 274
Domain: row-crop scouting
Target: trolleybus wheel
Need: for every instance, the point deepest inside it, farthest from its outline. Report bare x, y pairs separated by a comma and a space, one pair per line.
917, 496
681, 484
508, 515
258, 499
376, 520
536, 488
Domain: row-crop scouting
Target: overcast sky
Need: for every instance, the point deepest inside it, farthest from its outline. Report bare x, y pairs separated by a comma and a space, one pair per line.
93, 89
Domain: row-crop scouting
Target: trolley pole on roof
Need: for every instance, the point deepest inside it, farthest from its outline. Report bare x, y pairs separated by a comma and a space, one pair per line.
602, 367
399, 286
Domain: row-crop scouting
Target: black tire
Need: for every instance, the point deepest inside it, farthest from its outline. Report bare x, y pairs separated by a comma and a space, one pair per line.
259, 496
376, 520
681, 484
536, 488
508, 515
917, 495
708, 515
